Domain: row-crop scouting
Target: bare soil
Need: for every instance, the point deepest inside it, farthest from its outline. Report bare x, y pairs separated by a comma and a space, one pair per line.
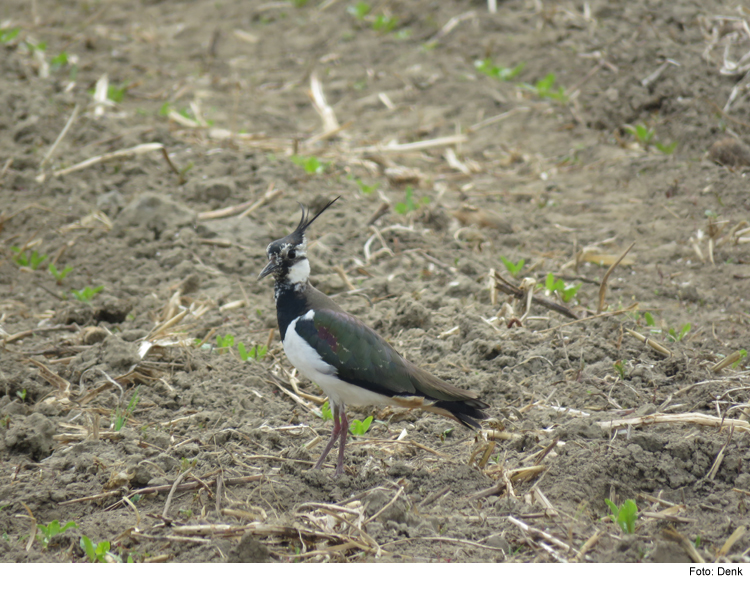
583, 410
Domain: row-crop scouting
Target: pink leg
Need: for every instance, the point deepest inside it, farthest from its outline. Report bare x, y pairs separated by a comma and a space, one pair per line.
344, 433
334, 436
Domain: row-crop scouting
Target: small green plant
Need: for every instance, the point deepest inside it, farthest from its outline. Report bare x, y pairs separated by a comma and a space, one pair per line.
299, 3
257, 353
49, 531
666, 149
486, 66
513, 268
99, 552
366, 189
649, 319
41, 46
325, 411
121, 416
545, 88
21, 394
384, 23
567, 292
742, 355
675, 336
225, 342
59, 61
86, 294
116, 92
310, 164
641, 133
59, 275
624, 515
646, 137
358, 427
187, 465
359, 10
24, 259
445, 434
7, 35
408, 204
620, 368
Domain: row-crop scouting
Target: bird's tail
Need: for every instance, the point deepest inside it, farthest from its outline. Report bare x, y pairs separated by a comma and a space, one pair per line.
466, 412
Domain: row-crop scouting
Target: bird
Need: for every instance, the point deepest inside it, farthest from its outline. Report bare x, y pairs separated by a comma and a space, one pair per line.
347, 359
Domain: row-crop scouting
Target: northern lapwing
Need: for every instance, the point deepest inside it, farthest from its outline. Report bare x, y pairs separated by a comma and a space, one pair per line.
348, 360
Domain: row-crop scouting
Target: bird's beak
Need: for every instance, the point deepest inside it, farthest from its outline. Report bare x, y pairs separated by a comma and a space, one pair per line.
268, 269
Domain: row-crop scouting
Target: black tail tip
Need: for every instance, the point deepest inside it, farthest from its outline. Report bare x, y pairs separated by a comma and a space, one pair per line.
466, 413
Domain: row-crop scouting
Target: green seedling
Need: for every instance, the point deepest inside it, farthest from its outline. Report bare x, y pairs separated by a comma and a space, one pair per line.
567, 292
445, 434
99, 552
32, 47
121, 417
325, 412
116, 93
310, 164
59, 61
47, 532
641, 133
359, 10
24, 259
21, 394
624, 515
645, 136
620, 369
545, 88
7, 35
187, 465
299, 3
408, 204
513, 268
187, 114
59, 275
366, 189
86, 294
358, 427
486, 66
257, 353
666, 149
742, 355
384, 24
675, 336
225, 342
649, 319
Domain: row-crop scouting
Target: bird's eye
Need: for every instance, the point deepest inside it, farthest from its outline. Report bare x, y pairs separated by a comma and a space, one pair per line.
292, 254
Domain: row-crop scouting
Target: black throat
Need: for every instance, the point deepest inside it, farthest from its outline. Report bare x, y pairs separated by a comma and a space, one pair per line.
291, 303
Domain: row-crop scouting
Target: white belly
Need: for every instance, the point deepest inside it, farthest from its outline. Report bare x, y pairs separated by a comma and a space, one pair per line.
311, 365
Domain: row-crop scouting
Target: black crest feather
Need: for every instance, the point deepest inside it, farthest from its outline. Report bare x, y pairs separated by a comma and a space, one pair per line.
305, 223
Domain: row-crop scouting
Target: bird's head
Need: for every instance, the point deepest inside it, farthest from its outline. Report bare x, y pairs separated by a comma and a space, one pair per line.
287, 257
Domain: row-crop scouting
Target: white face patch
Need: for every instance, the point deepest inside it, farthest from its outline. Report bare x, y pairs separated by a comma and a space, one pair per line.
299, 273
